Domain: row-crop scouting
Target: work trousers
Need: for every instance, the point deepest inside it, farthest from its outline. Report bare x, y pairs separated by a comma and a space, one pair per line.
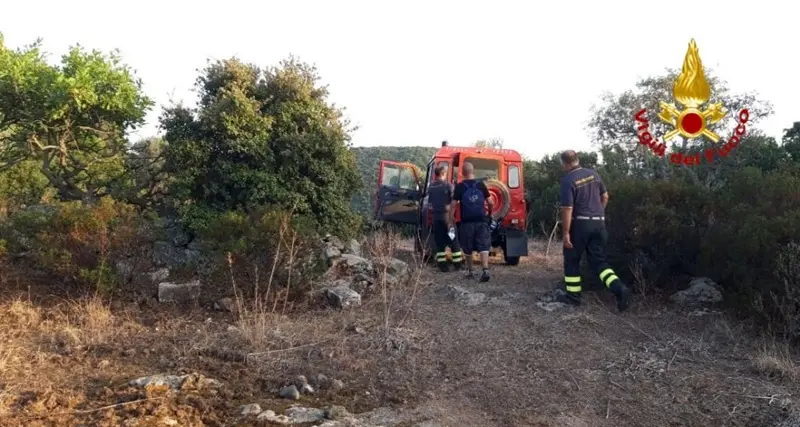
442, 240
590, 236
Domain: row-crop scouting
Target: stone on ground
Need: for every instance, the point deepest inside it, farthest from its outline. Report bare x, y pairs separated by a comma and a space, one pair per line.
702, 290
341, 296
178, 292
466, 297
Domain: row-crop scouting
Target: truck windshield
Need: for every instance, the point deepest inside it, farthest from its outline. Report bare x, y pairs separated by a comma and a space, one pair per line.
485, 168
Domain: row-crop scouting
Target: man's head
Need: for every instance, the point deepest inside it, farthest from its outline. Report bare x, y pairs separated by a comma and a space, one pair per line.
440, 172
469, 170
569, 160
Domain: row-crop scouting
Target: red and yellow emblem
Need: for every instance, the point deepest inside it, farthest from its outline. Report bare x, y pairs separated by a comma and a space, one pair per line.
692, 91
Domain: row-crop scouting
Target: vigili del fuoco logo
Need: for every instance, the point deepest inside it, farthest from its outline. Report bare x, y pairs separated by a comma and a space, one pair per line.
692, 91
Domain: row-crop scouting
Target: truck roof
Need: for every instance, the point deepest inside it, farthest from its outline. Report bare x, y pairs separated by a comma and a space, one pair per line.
509, 155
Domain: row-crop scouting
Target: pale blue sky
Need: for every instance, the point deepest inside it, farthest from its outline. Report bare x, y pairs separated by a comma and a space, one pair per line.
418, 72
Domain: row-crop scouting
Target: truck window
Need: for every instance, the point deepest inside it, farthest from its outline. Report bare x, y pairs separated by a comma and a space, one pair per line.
485, 168
394, 176
442, 163
513, 176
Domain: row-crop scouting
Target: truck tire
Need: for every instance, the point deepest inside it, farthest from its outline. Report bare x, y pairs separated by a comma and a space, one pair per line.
502, 197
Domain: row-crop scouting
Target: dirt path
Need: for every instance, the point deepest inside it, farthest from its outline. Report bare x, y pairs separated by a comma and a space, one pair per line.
507, 362
457, 353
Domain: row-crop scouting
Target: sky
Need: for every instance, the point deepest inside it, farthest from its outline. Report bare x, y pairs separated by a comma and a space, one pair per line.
419, 72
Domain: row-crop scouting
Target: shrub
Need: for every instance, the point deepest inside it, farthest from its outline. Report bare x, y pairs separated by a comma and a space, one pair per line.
81, 241
737, 235
268, 245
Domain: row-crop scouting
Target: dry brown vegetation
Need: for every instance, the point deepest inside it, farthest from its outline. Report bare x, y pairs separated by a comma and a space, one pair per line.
410, 345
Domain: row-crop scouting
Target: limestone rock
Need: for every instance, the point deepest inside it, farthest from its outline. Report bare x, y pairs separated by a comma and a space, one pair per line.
178, 292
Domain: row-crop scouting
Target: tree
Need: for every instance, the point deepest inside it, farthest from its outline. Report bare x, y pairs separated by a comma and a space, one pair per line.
614, 131
542, 183
70, 118
262, 138
791, 141
489, 143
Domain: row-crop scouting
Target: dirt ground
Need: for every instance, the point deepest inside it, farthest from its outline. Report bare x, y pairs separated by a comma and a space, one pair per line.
410, 349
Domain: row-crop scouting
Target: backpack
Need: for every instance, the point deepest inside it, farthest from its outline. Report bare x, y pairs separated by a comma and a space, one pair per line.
472, 201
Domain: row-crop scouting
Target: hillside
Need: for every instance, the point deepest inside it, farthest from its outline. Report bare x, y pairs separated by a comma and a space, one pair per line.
368, 159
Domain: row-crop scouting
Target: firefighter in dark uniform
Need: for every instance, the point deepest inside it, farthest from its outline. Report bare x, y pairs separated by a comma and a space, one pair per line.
583, 201
440, 195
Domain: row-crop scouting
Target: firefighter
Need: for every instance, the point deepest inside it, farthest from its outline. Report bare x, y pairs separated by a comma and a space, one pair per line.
474, 231
440, 196
583, 202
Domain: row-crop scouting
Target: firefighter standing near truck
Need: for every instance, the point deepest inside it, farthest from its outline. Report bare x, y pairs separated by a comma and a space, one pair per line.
474, 230
440, 195
583, 202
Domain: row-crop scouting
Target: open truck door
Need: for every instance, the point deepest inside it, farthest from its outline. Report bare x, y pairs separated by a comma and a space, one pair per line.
399, 193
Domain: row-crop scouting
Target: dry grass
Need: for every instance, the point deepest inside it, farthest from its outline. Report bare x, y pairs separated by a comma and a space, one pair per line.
577, 367
546, 253
775, 361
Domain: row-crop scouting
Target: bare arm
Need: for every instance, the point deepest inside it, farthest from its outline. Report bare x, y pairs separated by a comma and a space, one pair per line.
567, 199
604, 199
566, 220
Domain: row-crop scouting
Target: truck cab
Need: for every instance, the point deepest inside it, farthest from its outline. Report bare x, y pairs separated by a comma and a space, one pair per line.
402, 195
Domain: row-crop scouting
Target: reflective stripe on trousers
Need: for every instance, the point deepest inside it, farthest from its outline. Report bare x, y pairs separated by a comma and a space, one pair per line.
573, 283
608, 277
457, 257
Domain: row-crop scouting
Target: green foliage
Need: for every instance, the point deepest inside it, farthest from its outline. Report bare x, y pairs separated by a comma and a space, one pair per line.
23, 184
542, 183
69, 118
78, 240
286, 244
262, 138
368, 161
612, 125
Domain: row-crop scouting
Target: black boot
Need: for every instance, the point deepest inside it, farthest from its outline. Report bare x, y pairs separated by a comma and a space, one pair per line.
443, 267
622, 293
569, 298
457, 266
485, 275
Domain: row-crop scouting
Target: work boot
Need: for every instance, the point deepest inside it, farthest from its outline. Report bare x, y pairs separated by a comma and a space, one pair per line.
457, 266
622, 293
443, 267
569, 298
485, 275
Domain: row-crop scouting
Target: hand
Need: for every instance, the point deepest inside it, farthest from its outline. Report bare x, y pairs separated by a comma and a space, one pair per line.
567, 242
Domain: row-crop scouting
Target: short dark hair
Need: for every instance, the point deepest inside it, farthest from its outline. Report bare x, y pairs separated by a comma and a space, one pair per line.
439, 171
569, 157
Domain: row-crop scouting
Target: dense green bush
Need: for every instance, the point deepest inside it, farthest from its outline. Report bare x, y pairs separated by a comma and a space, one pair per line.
265, 247
733, 234
87, 243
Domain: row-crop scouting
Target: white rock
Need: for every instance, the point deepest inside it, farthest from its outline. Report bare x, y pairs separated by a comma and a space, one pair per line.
251, 409
178, 292
342, 297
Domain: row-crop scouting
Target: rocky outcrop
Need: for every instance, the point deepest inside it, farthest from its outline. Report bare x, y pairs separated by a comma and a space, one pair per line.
701, 291
350, 276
